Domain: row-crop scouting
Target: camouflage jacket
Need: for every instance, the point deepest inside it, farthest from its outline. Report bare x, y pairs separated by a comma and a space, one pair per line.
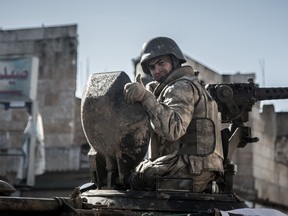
184, 122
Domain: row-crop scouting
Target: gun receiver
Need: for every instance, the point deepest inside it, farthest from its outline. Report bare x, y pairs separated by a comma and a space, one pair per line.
236, 100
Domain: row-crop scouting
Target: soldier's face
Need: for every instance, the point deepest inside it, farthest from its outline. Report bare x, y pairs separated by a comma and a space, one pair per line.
160, 66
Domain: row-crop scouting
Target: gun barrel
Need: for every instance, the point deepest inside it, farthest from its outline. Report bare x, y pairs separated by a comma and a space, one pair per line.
271, 93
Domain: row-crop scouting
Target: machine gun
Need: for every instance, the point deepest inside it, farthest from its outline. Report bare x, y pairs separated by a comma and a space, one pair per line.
235, 101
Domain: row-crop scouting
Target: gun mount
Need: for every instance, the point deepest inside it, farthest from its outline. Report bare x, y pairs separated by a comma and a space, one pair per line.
235, 101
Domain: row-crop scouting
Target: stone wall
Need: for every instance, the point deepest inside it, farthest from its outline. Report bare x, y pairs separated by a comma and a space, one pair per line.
271, 175
56, 49
282, 138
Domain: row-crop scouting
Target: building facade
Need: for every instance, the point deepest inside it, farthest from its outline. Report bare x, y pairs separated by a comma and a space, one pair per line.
56, 49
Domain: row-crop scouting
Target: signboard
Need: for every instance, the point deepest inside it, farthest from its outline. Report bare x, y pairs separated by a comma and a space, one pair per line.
18, 79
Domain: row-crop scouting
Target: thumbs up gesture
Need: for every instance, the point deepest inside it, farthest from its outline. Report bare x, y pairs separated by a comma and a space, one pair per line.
135, 91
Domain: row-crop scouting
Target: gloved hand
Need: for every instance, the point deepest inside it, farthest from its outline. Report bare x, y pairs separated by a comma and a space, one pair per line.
135, 91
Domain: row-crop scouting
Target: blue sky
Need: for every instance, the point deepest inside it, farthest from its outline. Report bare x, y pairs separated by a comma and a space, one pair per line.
225, 35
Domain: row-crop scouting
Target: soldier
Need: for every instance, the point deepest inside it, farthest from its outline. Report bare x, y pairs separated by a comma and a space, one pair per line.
185, 149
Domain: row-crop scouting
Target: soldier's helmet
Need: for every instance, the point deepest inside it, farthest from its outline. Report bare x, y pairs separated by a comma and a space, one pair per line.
160, 46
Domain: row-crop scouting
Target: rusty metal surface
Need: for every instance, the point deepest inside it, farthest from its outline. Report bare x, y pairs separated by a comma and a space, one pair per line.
160, 202
110, 124
38, 206
128, 203
115, 130
6, 188
28, 204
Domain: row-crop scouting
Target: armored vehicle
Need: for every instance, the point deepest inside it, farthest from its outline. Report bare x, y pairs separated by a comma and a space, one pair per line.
117, 135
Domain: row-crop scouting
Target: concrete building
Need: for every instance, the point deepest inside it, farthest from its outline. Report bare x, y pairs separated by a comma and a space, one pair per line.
262, 177
56, 49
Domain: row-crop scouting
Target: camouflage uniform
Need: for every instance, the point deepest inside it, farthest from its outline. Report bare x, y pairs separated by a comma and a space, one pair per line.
185, 138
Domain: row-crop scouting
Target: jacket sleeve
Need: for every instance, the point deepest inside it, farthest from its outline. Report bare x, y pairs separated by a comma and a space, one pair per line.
171, 114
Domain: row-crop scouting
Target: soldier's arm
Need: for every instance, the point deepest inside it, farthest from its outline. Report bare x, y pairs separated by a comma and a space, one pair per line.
170, 118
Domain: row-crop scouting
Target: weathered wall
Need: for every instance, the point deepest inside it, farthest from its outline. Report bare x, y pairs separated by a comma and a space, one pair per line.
281, 147
56, 48
271, 176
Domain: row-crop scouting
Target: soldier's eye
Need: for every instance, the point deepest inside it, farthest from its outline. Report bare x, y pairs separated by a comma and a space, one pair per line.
151, 67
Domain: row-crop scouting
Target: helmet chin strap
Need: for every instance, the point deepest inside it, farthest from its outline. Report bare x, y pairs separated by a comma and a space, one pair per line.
163, 77
175, 61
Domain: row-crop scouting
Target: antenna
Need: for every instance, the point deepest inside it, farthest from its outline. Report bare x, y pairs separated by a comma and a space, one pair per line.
262, 66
